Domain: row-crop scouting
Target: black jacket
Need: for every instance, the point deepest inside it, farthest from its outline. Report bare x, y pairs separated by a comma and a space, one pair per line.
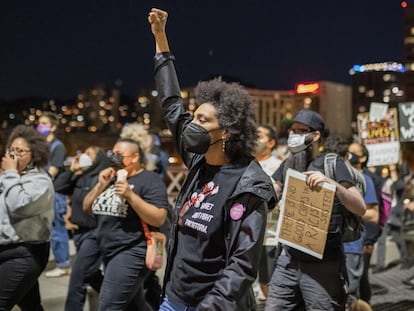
243, 238
78, 186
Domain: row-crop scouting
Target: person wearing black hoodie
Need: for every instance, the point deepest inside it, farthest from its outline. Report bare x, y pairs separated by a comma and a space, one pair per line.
77, 182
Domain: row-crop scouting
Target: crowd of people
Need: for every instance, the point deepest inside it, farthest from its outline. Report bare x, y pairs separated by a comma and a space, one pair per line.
222, 231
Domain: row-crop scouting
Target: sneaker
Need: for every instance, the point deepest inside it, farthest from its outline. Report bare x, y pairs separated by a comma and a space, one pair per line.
57, 272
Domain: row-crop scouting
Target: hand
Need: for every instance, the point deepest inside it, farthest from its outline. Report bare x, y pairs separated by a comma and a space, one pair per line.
122, 188
9, 162
158, 19
315, 179
74, 166
106, 176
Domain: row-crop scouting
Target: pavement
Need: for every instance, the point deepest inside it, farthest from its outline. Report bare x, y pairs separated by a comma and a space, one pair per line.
389, 294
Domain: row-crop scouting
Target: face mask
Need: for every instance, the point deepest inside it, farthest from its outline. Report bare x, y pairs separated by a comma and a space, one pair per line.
297, 142
353, 158
260, 147
116, 161
197, 139
85, 161
44, 130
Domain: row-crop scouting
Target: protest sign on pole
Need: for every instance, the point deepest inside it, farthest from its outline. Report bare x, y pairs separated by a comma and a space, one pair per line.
305, 214
406, 118
381, 137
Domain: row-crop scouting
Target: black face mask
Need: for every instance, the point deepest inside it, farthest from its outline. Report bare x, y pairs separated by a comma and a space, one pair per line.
197, 139
116, 161
353, 158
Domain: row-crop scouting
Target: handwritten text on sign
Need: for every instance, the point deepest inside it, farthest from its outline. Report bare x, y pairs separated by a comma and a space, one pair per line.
305, 214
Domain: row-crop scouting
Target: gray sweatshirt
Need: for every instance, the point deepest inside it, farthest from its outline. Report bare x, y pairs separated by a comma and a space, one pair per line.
26, 206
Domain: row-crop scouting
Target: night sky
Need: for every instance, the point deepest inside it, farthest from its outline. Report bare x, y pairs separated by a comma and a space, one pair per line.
55, 48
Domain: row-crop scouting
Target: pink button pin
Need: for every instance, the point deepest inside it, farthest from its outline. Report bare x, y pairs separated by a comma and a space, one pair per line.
236, 211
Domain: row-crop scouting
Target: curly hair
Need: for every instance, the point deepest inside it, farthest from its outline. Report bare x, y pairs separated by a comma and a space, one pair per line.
235, 113
37, 143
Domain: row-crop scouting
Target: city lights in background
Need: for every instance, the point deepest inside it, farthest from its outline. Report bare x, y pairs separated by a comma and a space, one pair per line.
98, 109
385, 66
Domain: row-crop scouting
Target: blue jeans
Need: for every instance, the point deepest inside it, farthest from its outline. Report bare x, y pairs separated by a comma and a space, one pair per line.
123, 281
168, 305
85, 269
59, 237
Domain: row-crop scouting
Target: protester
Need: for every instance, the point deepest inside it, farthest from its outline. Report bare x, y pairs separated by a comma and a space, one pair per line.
76, 182
353, 250
120, 206
281, 151
221, 210
301, 280
137, 132
263, 152
47, 127
371, 217
394, 185
26, 213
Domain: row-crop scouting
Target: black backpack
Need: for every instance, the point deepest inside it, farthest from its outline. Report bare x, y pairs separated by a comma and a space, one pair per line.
352, 224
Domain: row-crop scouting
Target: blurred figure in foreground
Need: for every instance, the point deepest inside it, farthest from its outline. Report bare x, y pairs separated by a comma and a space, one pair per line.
26, 213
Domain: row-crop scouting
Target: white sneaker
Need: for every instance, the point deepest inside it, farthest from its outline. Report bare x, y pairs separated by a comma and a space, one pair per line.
57, 272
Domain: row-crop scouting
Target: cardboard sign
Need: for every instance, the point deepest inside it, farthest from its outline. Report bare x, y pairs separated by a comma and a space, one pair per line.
377, 111
305, 214
380, 137
406, 118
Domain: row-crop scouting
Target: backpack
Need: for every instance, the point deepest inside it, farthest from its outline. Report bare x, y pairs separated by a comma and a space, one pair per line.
351, 224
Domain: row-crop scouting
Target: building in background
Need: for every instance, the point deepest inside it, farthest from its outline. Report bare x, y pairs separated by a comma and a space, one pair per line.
408, 48
279, 107
377, 82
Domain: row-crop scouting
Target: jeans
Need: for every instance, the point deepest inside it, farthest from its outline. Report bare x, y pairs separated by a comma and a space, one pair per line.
300, 285
85, 270
168, 305
59, 236
123, 281
354, 268
20, 267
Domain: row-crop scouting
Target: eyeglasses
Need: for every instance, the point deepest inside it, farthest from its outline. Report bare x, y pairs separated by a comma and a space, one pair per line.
17, 151
300, 130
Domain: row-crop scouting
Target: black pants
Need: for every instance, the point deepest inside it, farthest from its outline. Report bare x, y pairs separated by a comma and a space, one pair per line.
85, 270
20, 267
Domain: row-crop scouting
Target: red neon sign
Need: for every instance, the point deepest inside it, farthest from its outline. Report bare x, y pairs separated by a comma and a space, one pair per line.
303, 88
